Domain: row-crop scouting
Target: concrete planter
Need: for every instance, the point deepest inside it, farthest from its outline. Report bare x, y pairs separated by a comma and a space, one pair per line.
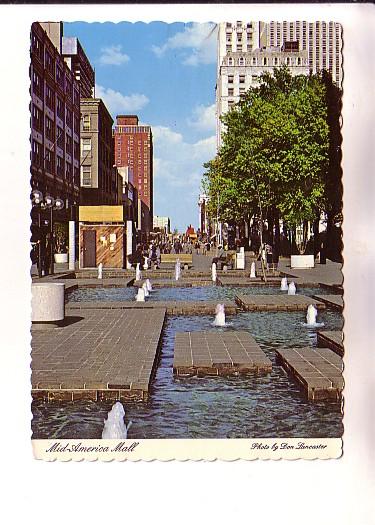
61, 258
47, 302
302, 261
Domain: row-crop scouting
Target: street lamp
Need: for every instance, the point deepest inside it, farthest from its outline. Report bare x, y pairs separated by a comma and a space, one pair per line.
48, 202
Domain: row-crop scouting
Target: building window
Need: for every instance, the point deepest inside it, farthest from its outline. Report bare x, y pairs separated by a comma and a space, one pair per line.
85, 175
254, 78
86, 144
228, 48
68, 172
86, 123
60, 76
230, 79
230, 103
37, 153
298, 61
275, 61
230, 92
49, 63
241, 61
69, 145
242, 79
68, 87
249, 47
265, 61
60, 138
59, 167
49, 161
37, 47
50, 129
37, 84
50, 98
230, 61
69, 117
254, 61
37, 120
59, 107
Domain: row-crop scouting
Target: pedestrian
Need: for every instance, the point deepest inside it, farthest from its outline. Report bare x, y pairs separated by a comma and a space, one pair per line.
268, 250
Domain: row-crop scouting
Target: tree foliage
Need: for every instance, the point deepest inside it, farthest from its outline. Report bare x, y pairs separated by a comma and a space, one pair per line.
274, 152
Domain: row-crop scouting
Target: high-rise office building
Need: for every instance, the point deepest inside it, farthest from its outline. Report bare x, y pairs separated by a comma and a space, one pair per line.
133, 148
246, 49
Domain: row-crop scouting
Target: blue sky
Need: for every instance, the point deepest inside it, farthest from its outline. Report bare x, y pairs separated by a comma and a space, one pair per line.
166, 74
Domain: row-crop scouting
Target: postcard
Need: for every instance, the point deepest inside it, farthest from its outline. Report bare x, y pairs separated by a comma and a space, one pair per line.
186, 240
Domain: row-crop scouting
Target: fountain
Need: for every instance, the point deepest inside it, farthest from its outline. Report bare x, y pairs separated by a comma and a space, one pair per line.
252, 270
214, 272
140, 297
114, 425
311, 316
220, 315
145, 289
177, 270
312, 312
148, 284
292, 289
138, 273
100, 271
284, 284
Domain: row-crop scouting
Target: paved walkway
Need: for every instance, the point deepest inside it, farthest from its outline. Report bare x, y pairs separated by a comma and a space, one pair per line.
218, 354
332, 339
329, 274
171, 307
336, 301
319, 371
276, 302
98, 354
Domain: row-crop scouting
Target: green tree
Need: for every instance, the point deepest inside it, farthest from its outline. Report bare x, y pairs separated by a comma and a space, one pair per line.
274, 156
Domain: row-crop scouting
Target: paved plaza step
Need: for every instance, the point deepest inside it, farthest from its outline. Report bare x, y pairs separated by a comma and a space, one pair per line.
318, 371
218, 354
98, 355
335, 301
332, 339
172, 307
276, 302
181, 283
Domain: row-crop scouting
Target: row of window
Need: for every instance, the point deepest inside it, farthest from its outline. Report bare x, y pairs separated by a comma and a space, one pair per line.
266, 61
52, 163
41, 88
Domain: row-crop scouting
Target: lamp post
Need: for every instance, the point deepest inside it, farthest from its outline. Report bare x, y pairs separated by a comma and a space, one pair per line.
51, 204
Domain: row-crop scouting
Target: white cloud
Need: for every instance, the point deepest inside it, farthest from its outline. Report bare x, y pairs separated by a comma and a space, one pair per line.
178, 163
199, 38
178, 170
113, 56
203, 118
116, 102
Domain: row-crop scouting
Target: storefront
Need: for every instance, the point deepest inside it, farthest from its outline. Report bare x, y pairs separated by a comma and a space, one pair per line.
102, 237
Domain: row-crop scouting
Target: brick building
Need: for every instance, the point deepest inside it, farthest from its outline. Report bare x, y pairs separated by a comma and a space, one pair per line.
55, 124
99, 181
133, 148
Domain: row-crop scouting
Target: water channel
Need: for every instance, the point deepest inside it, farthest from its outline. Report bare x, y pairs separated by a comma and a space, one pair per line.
214, 407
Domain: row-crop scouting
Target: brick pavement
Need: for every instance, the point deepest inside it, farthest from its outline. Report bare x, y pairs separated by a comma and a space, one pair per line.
277, 302
336, 301
318, 371
171, 307
98, 354
332, 339
218, 354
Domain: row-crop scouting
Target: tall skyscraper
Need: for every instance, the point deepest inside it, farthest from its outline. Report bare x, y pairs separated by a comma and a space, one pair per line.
246, 49
133, 148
